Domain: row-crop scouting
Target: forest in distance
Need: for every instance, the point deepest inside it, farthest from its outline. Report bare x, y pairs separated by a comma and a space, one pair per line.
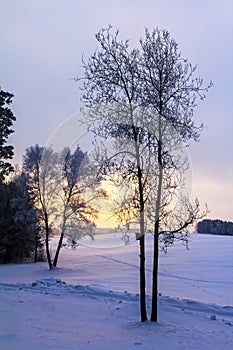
216, 227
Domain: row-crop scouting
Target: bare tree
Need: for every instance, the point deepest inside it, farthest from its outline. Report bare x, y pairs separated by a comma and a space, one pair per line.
41, 167
171, 90
77, 211
63, 188
111, 79
144, 99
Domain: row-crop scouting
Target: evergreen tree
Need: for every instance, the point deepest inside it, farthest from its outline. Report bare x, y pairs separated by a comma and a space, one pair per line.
6, 121
218, 227
19, 230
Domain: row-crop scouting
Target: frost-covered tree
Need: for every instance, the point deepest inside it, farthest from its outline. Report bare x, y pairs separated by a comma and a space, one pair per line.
111, 92
63, 191
76, 194
144, 99
170, 88
6, 121
41, 167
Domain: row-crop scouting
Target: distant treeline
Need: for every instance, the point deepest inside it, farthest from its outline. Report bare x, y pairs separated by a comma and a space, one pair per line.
217, 227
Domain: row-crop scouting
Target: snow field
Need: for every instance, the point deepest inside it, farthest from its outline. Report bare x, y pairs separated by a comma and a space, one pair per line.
91, 301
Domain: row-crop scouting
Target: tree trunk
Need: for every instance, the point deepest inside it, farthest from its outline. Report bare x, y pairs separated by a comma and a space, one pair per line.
36, 247
47, 241
154, 306
142, 280
58, 249
142, 224
142, 254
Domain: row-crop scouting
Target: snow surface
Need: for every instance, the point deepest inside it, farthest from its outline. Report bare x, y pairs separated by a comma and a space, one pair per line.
91, 300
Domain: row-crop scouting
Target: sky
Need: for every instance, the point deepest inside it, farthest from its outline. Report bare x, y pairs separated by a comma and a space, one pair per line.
42, 43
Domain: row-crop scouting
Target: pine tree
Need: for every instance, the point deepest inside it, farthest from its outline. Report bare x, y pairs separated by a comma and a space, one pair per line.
6, 121
19, 229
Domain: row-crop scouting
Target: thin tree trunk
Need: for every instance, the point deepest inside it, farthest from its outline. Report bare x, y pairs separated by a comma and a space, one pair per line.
47, 241
58, 249
142, 253
142, 225
142, 280
36, 247
154, 306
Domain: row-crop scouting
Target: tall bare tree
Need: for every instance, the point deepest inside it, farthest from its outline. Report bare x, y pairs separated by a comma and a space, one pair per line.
41, 167
171, 89
63, 190
77, 213
144, 99
111, 80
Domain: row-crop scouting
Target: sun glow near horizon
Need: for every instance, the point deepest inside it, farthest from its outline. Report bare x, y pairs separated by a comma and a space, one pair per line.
106, 217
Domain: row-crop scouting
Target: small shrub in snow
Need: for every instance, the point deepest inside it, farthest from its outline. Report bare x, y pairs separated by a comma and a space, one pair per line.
213, 317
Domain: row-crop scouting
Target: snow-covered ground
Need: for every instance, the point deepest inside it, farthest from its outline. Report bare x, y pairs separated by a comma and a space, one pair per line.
91, 300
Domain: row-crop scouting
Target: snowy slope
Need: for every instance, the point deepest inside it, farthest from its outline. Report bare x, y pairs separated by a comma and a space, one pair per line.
91, 301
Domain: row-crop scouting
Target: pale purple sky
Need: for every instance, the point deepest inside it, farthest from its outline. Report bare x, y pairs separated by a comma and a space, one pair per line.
42, 42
